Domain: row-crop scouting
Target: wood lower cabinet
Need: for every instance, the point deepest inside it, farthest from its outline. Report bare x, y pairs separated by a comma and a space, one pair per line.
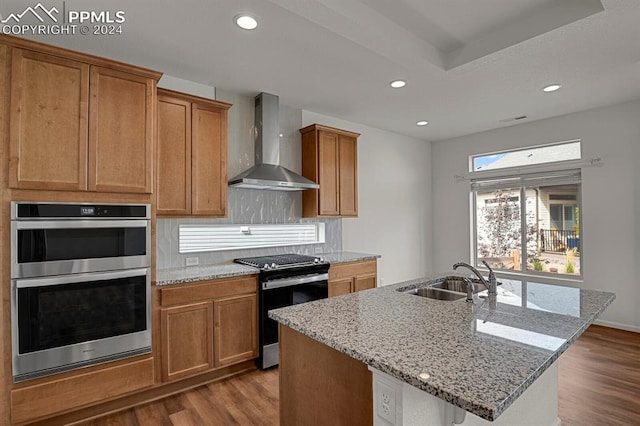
235, 326
208, 325
78, 126
80, 388
350, 277
191, 155
330, 158
338, 287
187, 340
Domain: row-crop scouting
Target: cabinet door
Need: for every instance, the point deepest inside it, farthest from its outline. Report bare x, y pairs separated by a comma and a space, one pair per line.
173, 191
328, 174
209, 161
235, 330
364, 282
348, 167
121, 131
187, 340
48, 133
342, 286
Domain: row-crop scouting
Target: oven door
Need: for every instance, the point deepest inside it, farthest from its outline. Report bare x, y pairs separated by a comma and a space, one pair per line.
65, 322
279, 293
59, 247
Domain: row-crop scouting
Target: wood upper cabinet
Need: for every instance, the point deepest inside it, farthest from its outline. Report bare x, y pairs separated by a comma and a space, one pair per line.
330, 158
191, 155
75, 126
121, 131
350, 277
348, 160
49, 119
207, 325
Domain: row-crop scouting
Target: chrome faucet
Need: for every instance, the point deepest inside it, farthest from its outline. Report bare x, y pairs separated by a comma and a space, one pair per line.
491, 285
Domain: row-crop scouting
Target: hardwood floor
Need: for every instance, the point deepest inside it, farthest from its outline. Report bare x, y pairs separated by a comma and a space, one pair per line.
599, 385
247, 399
599, 381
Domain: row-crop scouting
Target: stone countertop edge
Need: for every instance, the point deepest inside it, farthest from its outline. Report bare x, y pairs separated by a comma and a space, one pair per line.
484, 411
189, 274
553, 358
347, 256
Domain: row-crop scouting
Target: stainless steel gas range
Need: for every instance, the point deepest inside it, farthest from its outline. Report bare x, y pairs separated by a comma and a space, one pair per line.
285, 280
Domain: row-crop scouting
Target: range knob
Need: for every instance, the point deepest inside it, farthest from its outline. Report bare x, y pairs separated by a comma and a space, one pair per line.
273, 266
266, 266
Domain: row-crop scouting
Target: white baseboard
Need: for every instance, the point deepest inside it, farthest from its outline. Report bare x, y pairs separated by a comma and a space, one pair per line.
618, 325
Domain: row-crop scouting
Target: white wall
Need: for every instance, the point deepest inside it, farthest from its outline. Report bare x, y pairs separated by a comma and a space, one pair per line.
610, 197
394, 208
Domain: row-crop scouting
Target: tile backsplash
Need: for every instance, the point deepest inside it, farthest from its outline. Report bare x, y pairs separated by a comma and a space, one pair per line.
246, 206
251, 206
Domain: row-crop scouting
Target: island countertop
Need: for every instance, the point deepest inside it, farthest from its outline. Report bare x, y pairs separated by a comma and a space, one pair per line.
478, 357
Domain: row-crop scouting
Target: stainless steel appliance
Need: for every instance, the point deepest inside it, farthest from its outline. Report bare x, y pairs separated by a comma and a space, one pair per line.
268, 173
80, 287
285, 280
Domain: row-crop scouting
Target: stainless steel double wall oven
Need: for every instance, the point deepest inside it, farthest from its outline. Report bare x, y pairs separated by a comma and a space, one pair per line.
80, 285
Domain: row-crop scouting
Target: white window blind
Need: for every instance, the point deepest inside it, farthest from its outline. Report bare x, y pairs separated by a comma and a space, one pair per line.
199, 238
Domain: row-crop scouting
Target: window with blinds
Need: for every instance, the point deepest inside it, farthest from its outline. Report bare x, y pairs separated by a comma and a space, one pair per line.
529, 222
199, 238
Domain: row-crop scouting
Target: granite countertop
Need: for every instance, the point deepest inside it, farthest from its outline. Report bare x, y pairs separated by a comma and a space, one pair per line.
478, 357
347, 256
189, 274
200, 273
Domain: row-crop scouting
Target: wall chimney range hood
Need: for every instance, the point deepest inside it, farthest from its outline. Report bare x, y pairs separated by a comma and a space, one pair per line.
267, 173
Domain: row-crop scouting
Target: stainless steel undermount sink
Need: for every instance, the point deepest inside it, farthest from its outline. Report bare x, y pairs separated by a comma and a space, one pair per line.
459, 284
448, 288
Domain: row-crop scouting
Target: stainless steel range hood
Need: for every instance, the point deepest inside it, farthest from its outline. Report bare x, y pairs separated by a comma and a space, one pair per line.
267, 173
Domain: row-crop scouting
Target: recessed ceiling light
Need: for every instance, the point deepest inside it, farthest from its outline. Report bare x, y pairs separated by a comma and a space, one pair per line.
551, 88
422, 123
246, 22
396, 84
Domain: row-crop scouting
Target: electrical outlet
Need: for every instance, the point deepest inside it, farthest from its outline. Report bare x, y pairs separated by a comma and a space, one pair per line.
192, 261
318, 250
386, 400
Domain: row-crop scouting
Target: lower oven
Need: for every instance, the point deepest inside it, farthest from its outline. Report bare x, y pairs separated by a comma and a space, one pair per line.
65, 322
80, 285
278, 292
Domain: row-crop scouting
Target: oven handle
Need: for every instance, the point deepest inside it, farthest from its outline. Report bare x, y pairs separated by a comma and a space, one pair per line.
74, 224
289, 282
78, 278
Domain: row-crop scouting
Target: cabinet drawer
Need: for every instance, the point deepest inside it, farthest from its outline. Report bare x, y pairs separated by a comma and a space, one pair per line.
207, 290
352, 269
76, 391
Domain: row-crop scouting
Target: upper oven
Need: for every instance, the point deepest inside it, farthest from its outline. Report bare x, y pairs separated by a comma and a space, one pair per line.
57, 239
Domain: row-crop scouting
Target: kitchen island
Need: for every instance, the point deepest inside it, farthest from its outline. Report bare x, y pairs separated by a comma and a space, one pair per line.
384, 356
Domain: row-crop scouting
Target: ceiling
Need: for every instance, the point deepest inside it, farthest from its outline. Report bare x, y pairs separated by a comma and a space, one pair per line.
469, 65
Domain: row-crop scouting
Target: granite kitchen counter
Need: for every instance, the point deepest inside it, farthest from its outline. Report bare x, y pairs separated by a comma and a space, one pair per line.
479, 357
347, 256
203, 272
189, 274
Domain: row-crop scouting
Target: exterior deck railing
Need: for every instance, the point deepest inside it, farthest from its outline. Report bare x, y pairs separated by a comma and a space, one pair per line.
558, 240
